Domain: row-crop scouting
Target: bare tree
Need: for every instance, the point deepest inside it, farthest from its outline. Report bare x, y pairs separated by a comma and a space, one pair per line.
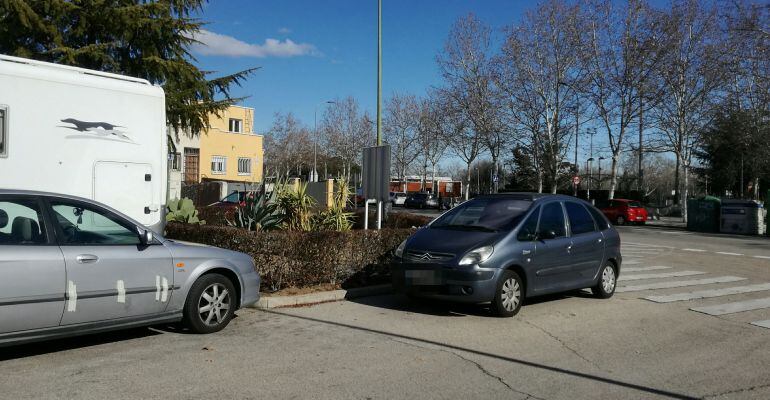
622, 54
288, 146
400, 128
433, 124
692, 72
465, 65
541, 73
463, 141
346, 131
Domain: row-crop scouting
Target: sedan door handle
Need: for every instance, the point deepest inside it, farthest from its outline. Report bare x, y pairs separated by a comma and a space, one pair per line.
526, 252
87, 258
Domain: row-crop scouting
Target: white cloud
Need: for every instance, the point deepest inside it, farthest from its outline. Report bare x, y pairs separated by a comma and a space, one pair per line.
284, 31
215, 44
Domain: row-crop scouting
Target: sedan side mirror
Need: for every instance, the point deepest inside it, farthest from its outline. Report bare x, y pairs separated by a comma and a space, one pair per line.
145, 236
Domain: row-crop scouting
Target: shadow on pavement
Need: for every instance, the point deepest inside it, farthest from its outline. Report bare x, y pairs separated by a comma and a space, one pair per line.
512, 360
439, 308
72, 343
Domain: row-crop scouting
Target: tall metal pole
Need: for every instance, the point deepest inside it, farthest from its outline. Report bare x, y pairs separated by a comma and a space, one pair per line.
577, 134
379, 72
640, 178
314, 177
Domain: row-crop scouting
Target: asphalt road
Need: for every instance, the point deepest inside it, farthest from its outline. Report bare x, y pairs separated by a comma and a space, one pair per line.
560, 347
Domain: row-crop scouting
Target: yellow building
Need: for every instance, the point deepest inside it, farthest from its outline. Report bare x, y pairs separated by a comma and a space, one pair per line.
230, 150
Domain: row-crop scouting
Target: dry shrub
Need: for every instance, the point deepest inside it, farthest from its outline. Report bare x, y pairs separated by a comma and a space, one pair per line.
300, 259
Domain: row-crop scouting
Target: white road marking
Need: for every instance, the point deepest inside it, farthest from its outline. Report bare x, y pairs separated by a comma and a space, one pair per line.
658, 275
695, 250
631, 262
763, 257
764, 324
659, 246
702, 294
727, 253
676, 284
736, 307
639, 269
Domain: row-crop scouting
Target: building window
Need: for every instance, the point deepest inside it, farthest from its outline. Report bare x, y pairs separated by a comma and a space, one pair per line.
3, 131
244, 166
218, 165
175, 161
448, 187
236, 125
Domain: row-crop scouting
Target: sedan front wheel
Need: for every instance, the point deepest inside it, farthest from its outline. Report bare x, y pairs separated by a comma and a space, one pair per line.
210, 304
509, 295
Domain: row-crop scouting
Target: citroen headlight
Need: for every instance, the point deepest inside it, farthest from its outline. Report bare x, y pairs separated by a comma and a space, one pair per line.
400, 249
477, 256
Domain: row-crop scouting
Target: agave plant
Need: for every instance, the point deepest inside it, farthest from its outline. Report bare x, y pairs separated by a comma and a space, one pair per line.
182, 211
258, 211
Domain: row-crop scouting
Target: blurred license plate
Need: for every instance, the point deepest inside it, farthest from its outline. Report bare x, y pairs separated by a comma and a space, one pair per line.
423, 277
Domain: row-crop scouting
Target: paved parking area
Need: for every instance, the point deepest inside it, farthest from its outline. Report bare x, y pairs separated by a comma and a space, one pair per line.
689, 321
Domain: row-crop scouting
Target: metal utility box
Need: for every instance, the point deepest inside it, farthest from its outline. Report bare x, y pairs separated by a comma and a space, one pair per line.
745, 217
703, 214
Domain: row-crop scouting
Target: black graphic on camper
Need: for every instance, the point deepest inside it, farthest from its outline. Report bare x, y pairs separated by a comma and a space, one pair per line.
97, 128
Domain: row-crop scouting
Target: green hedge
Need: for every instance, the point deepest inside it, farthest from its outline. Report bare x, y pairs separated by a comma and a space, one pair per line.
300, 259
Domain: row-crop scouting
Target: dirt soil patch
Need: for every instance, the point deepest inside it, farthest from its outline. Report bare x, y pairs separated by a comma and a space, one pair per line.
294, 291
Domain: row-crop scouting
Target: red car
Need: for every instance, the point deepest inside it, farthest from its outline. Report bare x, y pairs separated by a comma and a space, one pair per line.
623, 211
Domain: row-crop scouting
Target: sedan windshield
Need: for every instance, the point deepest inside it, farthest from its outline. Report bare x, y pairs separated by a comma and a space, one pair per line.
488, 214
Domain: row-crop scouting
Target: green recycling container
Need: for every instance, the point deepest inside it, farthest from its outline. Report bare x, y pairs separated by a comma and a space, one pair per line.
703, 214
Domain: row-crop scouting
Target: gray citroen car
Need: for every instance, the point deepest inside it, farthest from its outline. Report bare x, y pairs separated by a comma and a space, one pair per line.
71, 266
500, 249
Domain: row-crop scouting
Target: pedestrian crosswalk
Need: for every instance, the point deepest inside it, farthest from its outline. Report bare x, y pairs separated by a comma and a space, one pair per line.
644, 277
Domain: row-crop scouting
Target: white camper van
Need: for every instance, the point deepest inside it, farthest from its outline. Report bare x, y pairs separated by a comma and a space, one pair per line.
85, 133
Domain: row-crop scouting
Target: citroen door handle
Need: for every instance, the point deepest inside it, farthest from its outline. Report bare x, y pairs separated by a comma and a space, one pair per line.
526, 252
87, 258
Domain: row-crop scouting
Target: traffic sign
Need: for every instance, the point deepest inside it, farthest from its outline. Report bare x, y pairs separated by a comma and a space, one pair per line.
495, 178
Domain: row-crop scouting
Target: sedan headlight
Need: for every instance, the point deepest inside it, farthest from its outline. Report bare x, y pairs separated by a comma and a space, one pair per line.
477, 256
400, 249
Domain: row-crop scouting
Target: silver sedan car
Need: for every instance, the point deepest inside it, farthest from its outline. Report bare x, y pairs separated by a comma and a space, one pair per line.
71, 266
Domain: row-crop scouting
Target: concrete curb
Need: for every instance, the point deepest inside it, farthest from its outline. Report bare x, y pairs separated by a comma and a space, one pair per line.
266, 303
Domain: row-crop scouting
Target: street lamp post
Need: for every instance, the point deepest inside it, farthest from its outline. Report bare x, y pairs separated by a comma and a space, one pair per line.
314, 174
600, 172
589, 166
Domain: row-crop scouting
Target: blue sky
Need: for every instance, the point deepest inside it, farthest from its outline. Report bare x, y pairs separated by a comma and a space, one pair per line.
313, 51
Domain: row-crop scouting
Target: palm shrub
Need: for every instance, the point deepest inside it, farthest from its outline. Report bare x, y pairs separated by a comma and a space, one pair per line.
182, 211
258, 212
336, 217
297, 205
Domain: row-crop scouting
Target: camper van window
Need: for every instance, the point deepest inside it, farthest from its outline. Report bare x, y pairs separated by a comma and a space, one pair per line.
3, 131
218, 165
235, 125
244, 166
176, 162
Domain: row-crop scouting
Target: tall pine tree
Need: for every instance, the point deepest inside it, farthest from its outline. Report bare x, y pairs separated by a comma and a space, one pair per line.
142, 38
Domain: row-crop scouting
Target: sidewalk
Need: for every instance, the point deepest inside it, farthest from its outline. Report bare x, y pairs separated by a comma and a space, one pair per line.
668, 222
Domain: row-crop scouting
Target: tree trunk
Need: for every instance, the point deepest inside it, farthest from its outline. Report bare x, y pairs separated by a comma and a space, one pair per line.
676, 179
613, 174
685, 190
468, 181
